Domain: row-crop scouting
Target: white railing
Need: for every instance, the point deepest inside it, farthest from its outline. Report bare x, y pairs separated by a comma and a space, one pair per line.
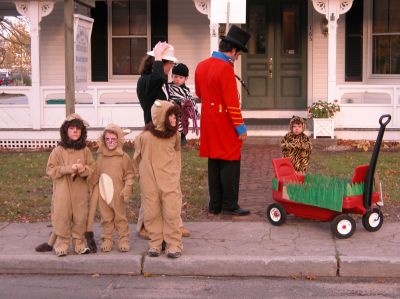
362, 105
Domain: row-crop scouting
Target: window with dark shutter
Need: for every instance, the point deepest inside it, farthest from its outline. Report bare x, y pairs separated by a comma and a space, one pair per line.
99, 43
354, 42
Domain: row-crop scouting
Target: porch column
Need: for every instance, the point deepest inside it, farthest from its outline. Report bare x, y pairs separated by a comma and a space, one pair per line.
203, 6
34, 11
332, 9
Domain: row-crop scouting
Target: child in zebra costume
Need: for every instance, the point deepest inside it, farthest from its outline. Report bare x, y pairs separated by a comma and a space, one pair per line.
180, 94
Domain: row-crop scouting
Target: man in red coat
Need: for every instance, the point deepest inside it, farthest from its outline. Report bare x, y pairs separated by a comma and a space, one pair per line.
222, 127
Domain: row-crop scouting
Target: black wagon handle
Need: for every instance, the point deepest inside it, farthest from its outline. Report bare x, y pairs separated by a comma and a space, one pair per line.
389, 118
368, 183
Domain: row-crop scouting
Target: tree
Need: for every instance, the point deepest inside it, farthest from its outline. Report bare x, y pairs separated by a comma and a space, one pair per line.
15, 44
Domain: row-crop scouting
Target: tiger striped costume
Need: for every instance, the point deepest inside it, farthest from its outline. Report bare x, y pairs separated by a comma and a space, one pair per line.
297, 147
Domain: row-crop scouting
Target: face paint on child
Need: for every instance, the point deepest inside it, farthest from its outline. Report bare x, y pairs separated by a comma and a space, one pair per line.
297, 128
172, 120
111, 140
74, 133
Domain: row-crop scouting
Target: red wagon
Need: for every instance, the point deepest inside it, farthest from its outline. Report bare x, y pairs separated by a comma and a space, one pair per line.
343, 225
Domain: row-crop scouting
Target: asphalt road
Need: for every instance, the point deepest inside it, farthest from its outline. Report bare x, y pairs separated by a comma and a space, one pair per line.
71, 286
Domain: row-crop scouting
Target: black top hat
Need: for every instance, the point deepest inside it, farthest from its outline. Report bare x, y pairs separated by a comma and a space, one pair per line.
237, 37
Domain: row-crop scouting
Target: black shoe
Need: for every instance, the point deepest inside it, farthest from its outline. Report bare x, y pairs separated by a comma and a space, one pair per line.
237, 212
215, 212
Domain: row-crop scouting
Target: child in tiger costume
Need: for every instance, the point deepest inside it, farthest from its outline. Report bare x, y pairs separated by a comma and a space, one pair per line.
296, 145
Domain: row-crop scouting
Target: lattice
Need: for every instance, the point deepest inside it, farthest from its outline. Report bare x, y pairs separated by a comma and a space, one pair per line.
10, 144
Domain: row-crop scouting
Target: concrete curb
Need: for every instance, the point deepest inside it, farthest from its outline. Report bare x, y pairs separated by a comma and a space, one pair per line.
50, 264
242, 266
366, 266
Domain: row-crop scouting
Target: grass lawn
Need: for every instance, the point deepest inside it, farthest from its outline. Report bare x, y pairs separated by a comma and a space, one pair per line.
26, 190
342, 165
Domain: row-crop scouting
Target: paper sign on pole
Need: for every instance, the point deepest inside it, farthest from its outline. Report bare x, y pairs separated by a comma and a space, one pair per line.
219, 11
82, 32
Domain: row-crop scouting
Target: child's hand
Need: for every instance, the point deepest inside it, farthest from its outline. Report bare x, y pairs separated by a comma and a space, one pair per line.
79, 166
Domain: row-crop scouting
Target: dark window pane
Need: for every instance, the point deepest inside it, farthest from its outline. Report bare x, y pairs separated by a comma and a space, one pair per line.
120, 17
380, 16
127, 53
138, 17
386, 51
394, 16
290, 30
257, 29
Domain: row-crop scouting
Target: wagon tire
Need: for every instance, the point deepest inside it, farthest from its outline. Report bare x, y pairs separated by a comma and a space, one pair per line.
276, 214
373, 220
343, 226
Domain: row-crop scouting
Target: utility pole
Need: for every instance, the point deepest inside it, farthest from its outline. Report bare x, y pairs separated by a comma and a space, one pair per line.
69, 52
69, 57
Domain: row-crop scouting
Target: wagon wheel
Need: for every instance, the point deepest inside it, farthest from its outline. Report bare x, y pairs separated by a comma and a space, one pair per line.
343, 226
373, 220
276, 214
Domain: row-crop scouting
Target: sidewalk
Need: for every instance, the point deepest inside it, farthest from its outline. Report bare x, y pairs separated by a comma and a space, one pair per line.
297, 248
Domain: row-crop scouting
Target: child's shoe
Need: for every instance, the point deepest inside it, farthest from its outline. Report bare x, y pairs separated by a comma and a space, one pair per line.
174, 254
61, 249
154, 252
106, 245
89, 236
80, 247
44, 247
124, 245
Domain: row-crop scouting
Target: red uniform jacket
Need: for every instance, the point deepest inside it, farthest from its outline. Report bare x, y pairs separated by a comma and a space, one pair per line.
221, 119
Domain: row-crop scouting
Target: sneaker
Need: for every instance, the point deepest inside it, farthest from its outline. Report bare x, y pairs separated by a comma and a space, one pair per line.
174, 255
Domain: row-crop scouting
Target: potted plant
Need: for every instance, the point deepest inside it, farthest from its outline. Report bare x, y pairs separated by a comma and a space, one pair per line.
322, 113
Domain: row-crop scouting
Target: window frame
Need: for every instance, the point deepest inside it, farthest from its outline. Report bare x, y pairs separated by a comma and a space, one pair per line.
368, 15
111, 76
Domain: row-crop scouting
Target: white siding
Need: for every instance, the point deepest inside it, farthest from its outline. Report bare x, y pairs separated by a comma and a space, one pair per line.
52, 59
188, 32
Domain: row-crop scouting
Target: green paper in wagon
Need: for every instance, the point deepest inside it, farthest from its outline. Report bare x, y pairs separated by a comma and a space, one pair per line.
321, 191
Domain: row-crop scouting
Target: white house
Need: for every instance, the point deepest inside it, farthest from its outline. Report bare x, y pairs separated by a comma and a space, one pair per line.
300, 51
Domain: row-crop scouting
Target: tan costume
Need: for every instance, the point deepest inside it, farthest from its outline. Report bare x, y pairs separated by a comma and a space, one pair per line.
114, 172
158, 158
70, 189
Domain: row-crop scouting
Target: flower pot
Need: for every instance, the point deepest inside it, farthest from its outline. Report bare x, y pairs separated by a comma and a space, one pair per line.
323, 127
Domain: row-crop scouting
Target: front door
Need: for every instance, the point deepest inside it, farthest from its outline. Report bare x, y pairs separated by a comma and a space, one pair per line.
275, 69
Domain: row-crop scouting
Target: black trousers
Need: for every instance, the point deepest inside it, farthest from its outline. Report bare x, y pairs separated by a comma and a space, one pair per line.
223, 185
